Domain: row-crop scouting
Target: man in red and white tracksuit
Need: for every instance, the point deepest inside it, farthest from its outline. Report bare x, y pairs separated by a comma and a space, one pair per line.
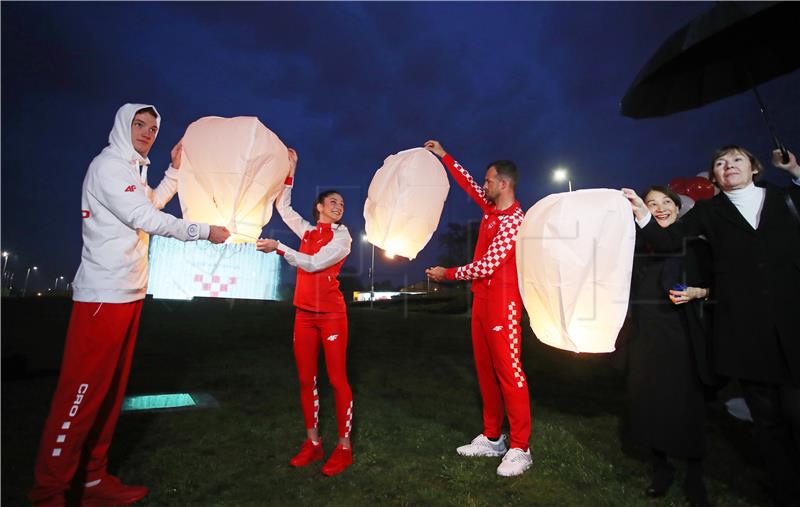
496, 314
119, 213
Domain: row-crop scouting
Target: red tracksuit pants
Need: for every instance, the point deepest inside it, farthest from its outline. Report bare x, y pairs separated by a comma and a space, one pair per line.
496, 344
330, 330
88, 398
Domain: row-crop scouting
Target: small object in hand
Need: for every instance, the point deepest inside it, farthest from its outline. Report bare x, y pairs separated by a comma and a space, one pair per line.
679, 287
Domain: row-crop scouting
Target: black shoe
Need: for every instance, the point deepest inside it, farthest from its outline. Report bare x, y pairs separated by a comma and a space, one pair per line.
696, 493
699, 502
655, 492
662, 480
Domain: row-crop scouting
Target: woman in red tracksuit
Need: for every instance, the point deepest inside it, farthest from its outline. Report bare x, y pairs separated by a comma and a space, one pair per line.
320, 318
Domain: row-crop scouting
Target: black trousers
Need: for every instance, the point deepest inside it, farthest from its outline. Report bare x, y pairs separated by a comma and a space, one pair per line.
776, 417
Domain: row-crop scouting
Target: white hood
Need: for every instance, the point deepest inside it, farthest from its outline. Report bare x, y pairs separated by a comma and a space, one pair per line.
119, 140
119, 212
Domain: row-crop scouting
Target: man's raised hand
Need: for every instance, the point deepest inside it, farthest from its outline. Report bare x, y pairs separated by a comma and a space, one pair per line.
435, 147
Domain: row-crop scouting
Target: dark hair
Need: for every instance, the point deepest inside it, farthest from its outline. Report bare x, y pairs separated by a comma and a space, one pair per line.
758, 168
148, 110
320, 200
505, 169
664, 190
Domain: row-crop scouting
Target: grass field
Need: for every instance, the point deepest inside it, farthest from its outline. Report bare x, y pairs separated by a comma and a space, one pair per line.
416, 399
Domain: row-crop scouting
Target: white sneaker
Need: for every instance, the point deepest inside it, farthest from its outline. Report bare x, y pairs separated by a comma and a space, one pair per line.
482, 446
515, 462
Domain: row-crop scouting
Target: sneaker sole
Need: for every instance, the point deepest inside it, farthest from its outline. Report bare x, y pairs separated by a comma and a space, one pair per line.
515, 474
332, 473
301, 465
488, 454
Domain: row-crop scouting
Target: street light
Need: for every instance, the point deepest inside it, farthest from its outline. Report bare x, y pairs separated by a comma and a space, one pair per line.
560, 174
5, 261
55, 283
25, 287
371, 272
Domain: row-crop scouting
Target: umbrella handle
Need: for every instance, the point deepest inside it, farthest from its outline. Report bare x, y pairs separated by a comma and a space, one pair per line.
784, 152
778, 144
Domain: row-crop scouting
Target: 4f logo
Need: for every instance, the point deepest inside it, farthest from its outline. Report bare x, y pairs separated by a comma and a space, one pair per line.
130, 188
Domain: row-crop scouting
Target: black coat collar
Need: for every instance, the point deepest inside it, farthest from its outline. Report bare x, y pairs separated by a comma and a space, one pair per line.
727, 210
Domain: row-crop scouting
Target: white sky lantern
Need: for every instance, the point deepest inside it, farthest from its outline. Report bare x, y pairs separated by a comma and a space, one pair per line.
405, 202
574, 262
231, 171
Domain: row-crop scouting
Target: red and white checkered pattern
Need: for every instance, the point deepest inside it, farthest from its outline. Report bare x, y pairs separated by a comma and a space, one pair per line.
501, 246
316, 403
349, 423
472, 183
513, 343
213, 284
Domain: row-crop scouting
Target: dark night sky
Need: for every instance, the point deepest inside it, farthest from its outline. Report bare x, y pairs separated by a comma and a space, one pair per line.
348, 84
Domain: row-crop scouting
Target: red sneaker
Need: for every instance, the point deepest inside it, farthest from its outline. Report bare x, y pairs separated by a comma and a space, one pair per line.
340, 459
110, 491
308, 454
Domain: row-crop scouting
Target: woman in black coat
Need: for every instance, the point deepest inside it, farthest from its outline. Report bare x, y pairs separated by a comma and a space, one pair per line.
666, 355
754, 235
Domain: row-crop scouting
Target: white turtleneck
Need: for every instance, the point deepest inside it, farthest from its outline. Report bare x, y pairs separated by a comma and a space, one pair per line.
749, 201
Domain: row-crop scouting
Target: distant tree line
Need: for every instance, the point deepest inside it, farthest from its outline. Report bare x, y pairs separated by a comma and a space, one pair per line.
458, 243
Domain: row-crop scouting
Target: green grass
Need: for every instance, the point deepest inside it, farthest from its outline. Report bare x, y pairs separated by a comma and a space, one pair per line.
416, 399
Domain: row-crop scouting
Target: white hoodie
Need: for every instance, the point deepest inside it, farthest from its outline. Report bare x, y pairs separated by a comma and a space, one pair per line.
119, 213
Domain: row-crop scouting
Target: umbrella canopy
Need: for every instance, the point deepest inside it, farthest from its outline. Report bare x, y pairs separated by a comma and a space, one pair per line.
729, 49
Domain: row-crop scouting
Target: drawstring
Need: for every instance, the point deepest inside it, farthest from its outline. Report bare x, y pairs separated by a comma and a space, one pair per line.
142, 170
98, 310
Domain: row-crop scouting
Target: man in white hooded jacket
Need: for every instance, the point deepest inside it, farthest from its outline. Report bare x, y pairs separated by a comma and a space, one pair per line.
119, 213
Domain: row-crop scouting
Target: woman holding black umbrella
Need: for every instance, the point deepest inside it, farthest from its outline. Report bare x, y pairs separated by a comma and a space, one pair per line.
754, 235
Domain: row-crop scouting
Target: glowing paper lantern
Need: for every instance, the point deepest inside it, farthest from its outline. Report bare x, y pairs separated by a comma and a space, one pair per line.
574, 262
231, 171
181, 270
405, 202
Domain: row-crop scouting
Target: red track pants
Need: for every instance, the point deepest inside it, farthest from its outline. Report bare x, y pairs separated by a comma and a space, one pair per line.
87, 401
329, 329
496, 344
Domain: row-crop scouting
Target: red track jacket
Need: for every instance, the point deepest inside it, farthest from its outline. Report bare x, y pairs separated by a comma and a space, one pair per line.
494, 261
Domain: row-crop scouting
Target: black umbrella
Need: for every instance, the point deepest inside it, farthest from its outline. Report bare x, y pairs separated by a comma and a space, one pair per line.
729, 49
